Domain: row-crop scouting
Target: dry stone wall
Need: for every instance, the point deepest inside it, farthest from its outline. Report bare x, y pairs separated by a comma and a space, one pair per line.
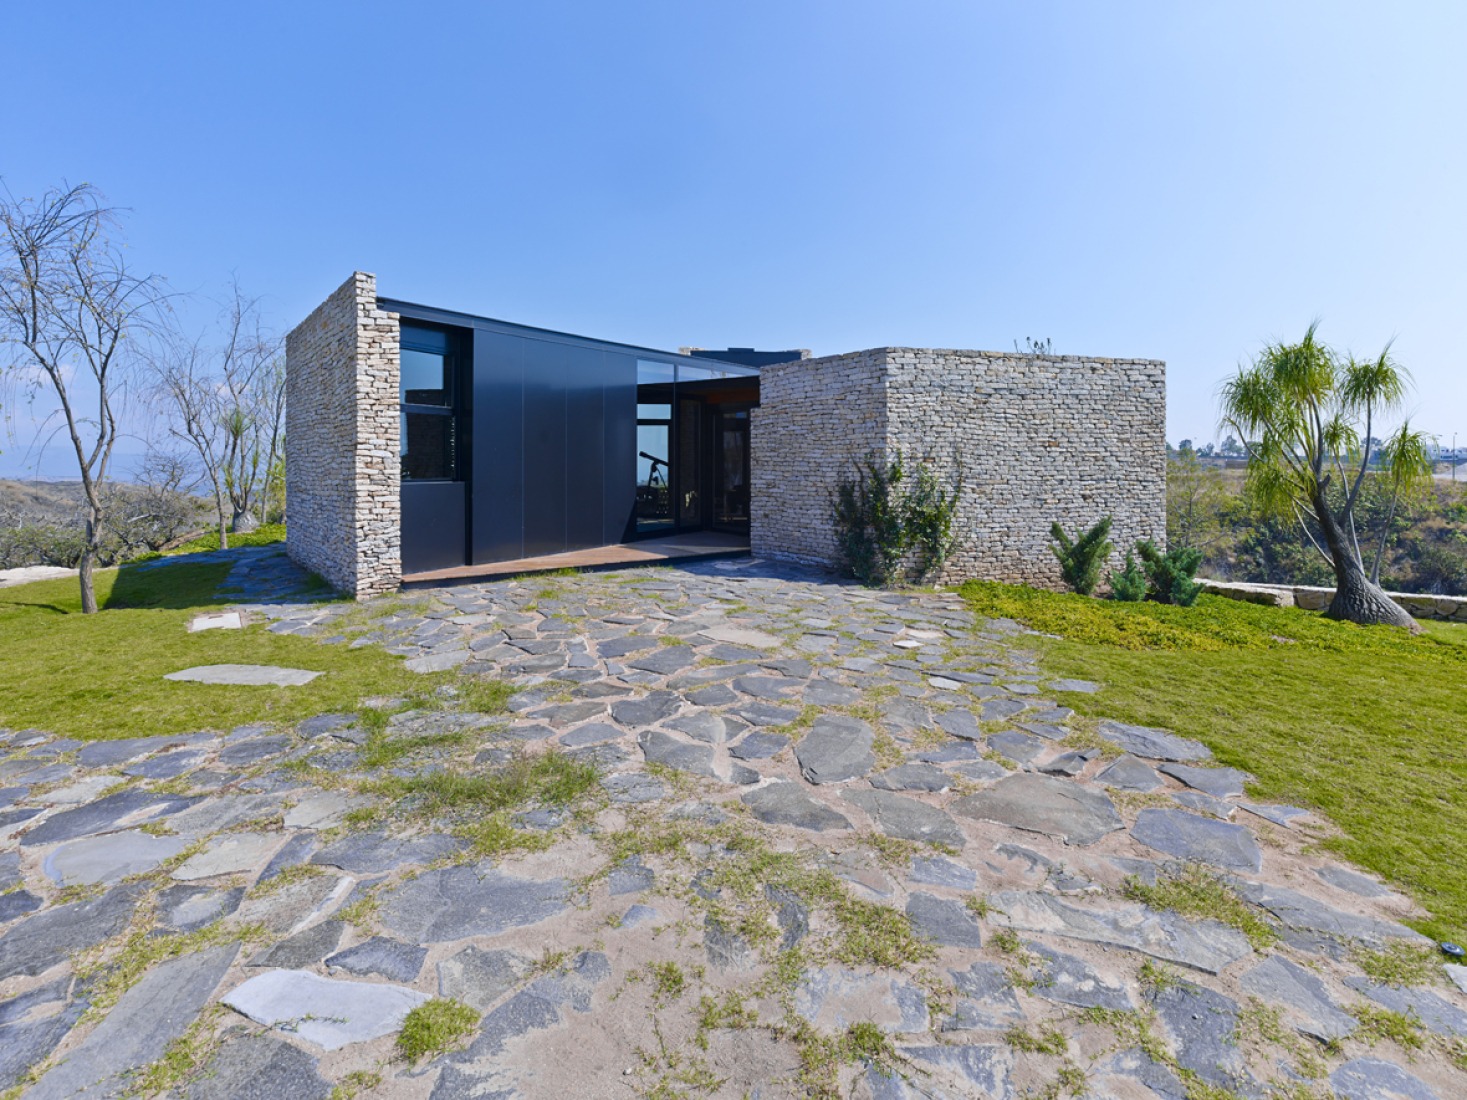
342, 475
1031, 440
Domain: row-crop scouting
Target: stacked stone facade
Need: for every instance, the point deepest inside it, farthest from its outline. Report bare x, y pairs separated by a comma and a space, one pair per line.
1031, 439
342, 473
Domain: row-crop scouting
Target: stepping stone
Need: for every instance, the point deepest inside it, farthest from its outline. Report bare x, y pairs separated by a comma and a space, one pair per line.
941, 871
1015, 746
774, 689
912, 777
745, 636
189, 908
134, 806
374, 853
451, 658
479, 977
986, 1000
1067, 980
632, 788
1436, 1014
1458, 974
108, 754
663, 748
220, 620
719, 695
1042, 804
1153, 744
1279, 815
139, 1027
47, 938
835, 997
168, 766
109, 858
630, 876
1085, 686
260, 1066
1054, 875
759, 746
1068, 764
786, 803
592, 733
979, 1070
1279, 982
621, 647
1350, 881
1205, 945
568, 714
996, 710
822, 693
1303, 913
647, 710
941, 683
327, 1012
1376, 1079
230, 854
952, 752
324, 810
27, 1042
241, 753
1204, 1027
906, 818
837, 748
666, 660
251, 675
1218, 782
950, 923
17, 903
766, 714
1205, 804
303, 949
704, 726
395, 961
454, 903
1198, 839
325, 723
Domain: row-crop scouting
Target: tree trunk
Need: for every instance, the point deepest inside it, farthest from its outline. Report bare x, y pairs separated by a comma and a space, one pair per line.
243, 520
84, 569
1356, 599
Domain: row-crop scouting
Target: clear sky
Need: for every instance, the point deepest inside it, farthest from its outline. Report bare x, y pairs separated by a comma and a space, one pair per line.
1177, 181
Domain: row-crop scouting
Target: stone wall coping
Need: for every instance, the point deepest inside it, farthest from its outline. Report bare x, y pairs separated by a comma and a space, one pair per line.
1313, 597
966, 353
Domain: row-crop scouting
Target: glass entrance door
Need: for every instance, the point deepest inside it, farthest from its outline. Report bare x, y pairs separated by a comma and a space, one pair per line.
731, 495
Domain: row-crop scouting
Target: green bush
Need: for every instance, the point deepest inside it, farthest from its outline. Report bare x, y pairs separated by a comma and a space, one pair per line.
1129, 585
891, 527
1080, 558
1169, 576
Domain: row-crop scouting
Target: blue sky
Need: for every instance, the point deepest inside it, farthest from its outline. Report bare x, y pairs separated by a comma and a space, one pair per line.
1178, 181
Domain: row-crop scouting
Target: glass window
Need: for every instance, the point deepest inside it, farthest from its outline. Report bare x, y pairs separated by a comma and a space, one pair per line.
424, 378
428, 447
654, 412
650, 373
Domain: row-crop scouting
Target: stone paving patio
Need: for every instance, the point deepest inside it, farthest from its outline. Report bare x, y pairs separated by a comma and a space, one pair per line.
817, 806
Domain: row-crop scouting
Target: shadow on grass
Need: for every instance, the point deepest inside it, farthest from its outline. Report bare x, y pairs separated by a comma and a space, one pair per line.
167, 587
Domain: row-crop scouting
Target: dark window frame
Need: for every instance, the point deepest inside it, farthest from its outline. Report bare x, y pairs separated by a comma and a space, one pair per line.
453, 381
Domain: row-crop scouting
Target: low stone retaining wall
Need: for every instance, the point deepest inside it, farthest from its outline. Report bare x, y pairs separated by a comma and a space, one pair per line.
1315, 598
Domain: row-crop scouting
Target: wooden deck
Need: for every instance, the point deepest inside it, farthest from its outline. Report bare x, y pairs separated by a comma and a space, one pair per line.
690, 547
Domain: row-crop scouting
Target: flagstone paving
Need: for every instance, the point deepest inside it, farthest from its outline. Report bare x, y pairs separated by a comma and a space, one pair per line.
816, 807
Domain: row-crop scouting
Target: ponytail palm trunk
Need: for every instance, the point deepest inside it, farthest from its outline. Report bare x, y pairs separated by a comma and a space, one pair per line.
1309, 414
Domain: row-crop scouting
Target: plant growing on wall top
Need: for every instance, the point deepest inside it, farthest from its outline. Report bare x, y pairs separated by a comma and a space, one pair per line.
892, 526
1080, 558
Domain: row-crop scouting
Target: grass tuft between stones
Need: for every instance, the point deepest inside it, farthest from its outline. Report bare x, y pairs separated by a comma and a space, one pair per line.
1198, 894
435, 1027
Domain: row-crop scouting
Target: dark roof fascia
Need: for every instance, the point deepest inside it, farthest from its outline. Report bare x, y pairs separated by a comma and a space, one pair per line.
432, 314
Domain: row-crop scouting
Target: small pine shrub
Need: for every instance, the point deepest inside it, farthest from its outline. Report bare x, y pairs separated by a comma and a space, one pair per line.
883, 519
1129, 585
1080, 558
1169, 576
929, 510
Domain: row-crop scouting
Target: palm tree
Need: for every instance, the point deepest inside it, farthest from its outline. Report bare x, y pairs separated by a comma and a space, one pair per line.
1305, 407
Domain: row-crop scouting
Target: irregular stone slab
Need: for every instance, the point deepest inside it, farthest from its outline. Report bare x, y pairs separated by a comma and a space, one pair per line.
83, 790
738, 635
224, 812
1458, 974
1204, 1026
303, 949
1198, 839
1299, 911
1085, 686
1067, 980
981, 1070
822, 693
230, 854
759, 746
834, 997
1376, 1079
247, 675
454, 903
109, 754
837, 748
259, 1067
1205, 804
767, 714
373, 853
134, 806
986, 999
295, 852
1218, 782
1055, 874
1043, 804
442, 661
188, 908
1153, 744
785, 803
941, 871
26, 1043
1438, 1015
479, 978
630, 876
218, 620
621, 647
45, 939
996, 710
325, 1011
1068, 764
631, 788
1279, 815
1134, 1067
906, 818
791, 914
704, 726
662, 748
912, 777
568, 714
1205, 945
17, 903
719, 695
984, 771
950, 923
646, 710
775, 689
1314, 1012
325, 723
393, 960
109, 858
1016, 746
725, 948
666, 660
323, 810
1344, 879
139, 1028
592, 733
168, 766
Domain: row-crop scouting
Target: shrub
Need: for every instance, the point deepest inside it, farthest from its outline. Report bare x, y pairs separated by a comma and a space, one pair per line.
1129, 585
1169, 576
883, 518
1080, 558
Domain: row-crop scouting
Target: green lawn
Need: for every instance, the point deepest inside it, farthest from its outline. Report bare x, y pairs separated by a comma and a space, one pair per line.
101, 676
1366, 725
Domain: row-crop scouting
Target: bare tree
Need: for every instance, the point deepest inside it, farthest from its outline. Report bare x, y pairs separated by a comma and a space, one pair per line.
229, 399
71, 309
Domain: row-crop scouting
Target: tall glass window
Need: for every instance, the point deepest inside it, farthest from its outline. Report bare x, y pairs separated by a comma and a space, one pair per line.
655, 502
428, 394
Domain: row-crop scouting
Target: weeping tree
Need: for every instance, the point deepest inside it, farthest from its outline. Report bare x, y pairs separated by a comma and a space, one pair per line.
1310, 414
